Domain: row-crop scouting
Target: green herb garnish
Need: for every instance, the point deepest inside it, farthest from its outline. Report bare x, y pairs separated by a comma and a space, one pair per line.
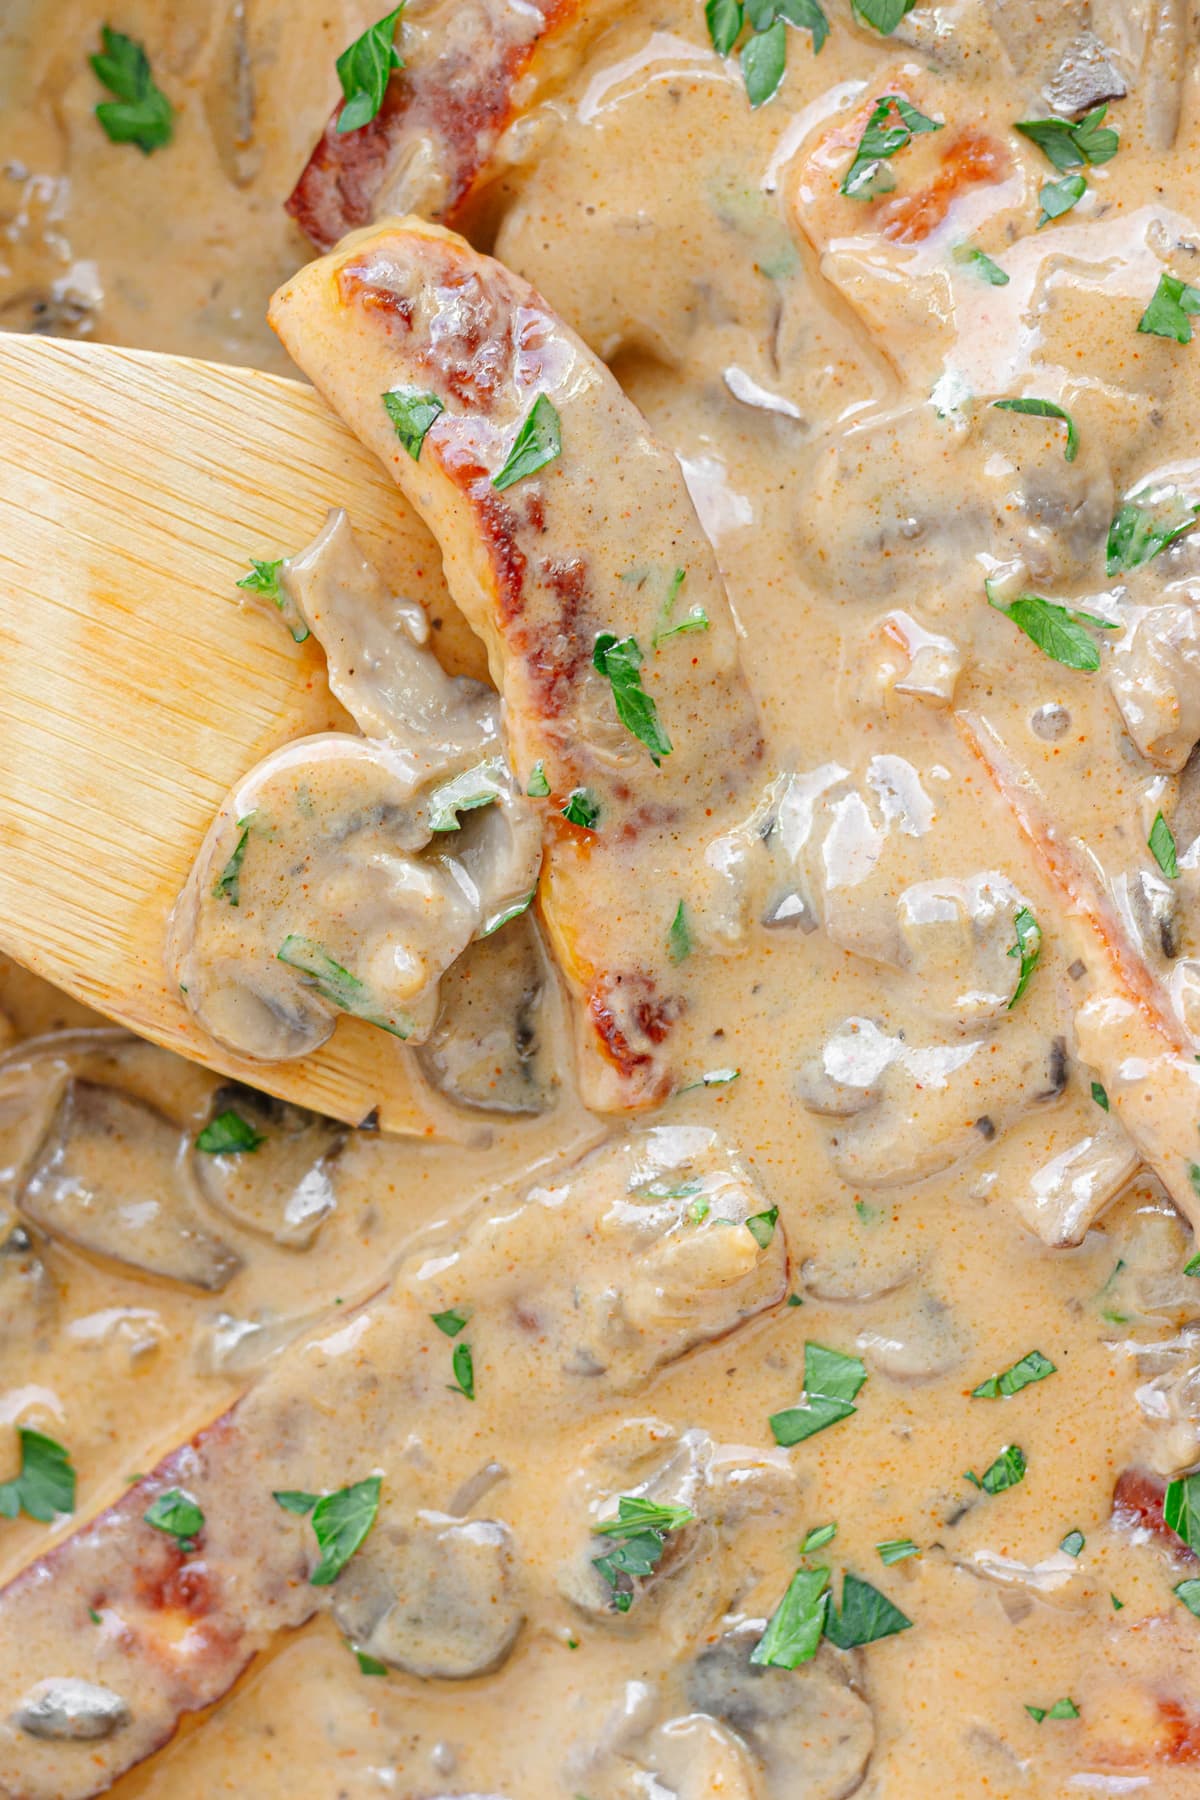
228, 1135
1062, 1709
264, 579
793, 1632
1059, 197
1070, 144
364, 70
1045, 409
817, 1538
413, 414
1057, 631
761, 1226
340, 1520
228, 882
45, 1488
1189, 1592
141, 114
1181, 1509
866, 1616
370, 1665
642, 1527
538, 786
1073, 1543
1169, 314
452, 1321
883, 15
336, 984
463, 1365
984, 267
1139, 532
178, 1515
537, 443
884, 135
1028, 947
619, 660
679, 938
1032, 1367
582, 809
1162, 847
831, 1385
1100, 1096
697, 619
1007, 1470
894, 1550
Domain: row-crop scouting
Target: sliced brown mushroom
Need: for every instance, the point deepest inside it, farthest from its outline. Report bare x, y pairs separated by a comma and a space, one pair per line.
436, 1596
112, 1179
284, 1187
496, 1043
920, 1341
70, 1709
27, 1294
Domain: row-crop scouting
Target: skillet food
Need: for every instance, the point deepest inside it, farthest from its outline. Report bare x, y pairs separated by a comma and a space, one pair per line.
769, 830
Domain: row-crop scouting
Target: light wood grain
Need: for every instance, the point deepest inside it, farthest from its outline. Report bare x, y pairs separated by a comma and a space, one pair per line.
136, 687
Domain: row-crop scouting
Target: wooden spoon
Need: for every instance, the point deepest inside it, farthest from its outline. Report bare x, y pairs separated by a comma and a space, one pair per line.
136, 686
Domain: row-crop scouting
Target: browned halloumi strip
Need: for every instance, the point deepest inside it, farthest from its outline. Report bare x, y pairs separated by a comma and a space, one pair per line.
591, 543
469, 70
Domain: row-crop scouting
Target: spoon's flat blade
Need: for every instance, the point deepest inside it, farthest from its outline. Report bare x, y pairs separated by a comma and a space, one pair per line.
135, 689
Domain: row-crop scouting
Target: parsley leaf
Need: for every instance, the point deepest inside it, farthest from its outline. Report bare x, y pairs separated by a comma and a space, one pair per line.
177, 1514
582, 809
1189, 1592
1100, 1096
619, 660
1058, 197
866, 178
46, 1485
364, 69
764, 58
984, 267
228, 882
370, 1665
141, 114
228, 1134
1007, 1470
1069, 144
341, 1521
463, 1366
465, 792
793, 1632
1073, 1543
452, 1321
537, 443
295, 1500
1032, 1367
1168, 314
894, 1550
724, 19
697, 619
1056, 630
884, 15
413, 414
831, 1384
1181, 1509
1192, 1267
336, 984
761, 1226
539, 785
817, 1538
1045, 409
1028, 947
642, 1527
866, 1616
1162, 847
679, 938
1139, 532
264, 579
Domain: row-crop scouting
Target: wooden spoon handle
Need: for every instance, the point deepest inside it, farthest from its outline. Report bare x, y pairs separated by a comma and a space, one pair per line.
135, 688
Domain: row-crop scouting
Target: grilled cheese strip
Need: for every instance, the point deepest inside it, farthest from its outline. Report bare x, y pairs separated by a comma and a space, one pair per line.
601, 542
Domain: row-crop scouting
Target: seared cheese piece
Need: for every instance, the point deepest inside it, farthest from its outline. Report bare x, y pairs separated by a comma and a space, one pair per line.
602, 539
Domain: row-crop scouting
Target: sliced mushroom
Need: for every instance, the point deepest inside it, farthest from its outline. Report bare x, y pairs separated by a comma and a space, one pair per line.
112, 1179
920, 1341
495, 1044
809, 1729
689, 1758
437, 1597
284, 1188
1086, 75
1154, 675
27, 1294
861, 1271
72, 1709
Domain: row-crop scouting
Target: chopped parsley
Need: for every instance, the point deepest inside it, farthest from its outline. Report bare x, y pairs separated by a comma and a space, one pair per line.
1100, 1096
451, 1322
1028, 947
1045, 409
413, 414
264, 579
509, 913
1032, 1367
1007, 1470
1071, 144
364, 69
817, 1538
1073, 1543
1181, 1509
764, 54
1189, 1592
639, 1534
984, 267
1117, 1605
894, 1550
763, 60
336, 984
619, 660
696, 620
1169, 314
465, 792
1192, 1267
883, 15
679, 938
1162, 847
370, 1665
538, 786
228, 882
1057, 631
178, 1515
340, 1520
228, 1135
538, 442
45, 1487
724, 19
1062, 1709
1059, 197
582, 809
463, 1366
794, 1630
761, 1226
866, 1616
831, 1385
141, 114
1139, 531
893, 124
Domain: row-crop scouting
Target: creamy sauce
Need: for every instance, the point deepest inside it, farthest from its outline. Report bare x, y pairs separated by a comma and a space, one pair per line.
951, 1194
